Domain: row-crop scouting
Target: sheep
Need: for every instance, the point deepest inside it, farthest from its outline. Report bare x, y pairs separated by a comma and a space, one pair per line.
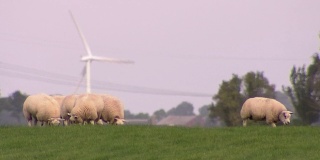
113, 110
43, 108
260, 108
58, 98
87, 109
66, 107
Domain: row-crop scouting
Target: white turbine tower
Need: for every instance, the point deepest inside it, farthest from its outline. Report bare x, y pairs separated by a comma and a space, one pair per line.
89, 57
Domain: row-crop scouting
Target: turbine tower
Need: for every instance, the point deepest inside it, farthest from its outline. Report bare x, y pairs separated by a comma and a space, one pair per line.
89, 57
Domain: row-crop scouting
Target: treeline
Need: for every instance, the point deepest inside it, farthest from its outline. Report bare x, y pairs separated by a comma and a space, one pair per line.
11, 110
303, 95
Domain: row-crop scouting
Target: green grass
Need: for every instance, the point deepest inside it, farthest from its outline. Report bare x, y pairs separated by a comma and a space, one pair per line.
152, 142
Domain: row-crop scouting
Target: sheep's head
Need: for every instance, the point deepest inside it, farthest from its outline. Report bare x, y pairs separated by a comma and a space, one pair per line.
75, 119
285, 117
54, 121
118, 121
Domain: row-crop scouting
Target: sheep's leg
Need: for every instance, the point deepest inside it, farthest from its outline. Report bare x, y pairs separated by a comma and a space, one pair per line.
244, 122
28, 118
272, 123
99, 122
35, 122
30, 122
66, 122
92, 122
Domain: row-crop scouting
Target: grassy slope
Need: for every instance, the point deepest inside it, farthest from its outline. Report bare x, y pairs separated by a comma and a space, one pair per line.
151, 142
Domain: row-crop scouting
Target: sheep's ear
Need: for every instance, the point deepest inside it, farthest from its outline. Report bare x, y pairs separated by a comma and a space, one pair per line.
123, 120
291, 112
69, 114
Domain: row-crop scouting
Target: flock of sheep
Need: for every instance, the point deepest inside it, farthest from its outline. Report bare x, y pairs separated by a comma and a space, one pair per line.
73, 109
101, 108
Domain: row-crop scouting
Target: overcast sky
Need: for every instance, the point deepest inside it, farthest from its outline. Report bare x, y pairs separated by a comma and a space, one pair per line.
182, 47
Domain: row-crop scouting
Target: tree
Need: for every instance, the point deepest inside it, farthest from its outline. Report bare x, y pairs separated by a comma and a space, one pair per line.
4, 104
17, 99
228, 101
14, 104
159, 114
256, 85
183, 109
142, 116
204, 110
305, 91
129, 115
234, 92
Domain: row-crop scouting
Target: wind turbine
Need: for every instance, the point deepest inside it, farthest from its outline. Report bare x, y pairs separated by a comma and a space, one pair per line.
89, 57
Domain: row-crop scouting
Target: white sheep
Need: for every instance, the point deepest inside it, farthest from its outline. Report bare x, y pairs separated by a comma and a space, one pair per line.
58, 98
43, 108
259, 109
113, 110
87, 109
66, 107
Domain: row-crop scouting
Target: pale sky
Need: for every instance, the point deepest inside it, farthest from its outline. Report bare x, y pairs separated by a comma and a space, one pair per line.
183, 46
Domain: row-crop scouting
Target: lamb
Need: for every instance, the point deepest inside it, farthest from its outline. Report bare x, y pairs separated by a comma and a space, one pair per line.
43, 108
66, 107
87, 109
259, 109
113, 110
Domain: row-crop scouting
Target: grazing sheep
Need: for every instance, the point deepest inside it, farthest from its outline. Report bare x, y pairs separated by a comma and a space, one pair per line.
87, 109
58, 98
259, 109
66, 107
113, 110
43, 108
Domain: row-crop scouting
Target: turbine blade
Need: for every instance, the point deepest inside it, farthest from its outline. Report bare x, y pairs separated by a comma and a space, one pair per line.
86, 45
88, 75
83, 73
113, 60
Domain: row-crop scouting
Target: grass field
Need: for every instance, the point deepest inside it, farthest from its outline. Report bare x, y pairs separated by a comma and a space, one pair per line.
154, 142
